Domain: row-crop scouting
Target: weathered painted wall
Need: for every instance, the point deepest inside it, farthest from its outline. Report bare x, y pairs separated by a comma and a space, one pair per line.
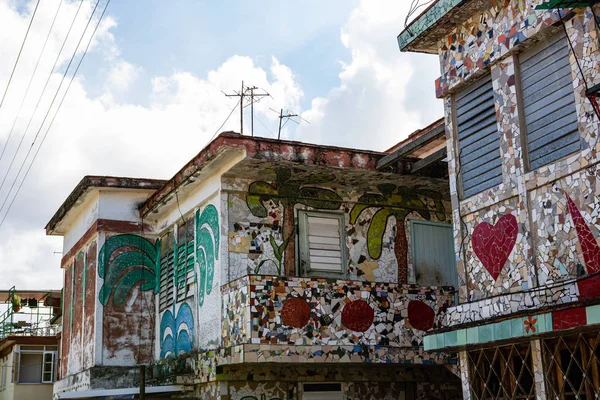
78, 334
127, 270
192, 288
523, 233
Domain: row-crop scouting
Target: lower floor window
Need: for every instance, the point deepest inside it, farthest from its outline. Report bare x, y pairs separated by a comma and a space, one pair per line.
571, 366
34, 364
502, 372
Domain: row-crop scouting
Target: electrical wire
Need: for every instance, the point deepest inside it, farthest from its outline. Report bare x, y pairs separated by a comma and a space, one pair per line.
414, 6
265, 126
57, 109
40, 98
224, 122
30, 81
19, 55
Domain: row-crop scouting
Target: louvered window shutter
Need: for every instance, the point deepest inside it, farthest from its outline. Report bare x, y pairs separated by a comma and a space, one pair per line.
478, 137
549, 102
321, 243
167, 267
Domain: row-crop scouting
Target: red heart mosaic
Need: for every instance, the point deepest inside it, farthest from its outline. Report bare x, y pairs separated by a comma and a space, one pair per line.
493, 243
358, 316
295, 312
420, 315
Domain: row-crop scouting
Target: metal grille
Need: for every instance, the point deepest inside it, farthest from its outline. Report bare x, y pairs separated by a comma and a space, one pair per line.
571, 365
503, 372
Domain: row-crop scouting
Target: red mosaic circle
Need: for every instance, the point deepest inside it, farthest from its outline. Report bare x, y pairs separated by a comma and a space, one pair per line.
420, 315
358, 316
295, 312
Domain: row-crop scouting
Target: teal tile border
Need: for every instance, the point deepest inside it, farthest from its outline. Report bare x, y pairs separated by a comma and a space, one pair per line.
592, 314
425, 21
512, 328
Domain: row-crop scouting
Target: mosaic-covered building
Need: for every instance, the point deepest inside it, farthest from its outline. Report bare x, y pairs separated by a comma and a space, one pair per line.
263, 269
518, 80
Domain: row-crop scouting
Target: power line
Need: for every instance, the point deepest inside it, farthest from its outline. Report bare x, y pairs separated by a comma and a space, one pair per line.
266, 127
222, 125
30, 81
41, 96
19, 55
58, 108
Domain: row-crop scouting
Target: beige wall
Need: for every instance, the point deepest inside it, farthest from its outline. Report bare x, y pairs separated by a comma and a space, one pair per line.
37, 391
8, 392
23, 391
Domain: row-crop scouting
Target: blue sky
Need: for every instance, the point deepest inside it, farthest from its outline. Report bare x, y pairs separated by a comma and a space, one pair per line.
149, 94
196, 36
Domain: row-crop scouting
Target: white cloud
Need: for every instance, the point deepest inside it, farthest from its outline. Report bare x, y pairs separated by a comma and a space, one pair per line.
104, 136
122, 75
373, 107
383, 95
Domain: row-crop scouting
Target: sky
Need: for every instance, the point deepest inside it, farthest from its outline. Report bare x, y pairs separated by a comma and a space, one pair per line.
149, 94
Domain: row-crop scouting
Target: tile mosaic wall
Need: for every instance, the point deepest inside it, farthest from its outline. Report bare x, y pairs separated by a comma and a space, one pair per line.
547, 249
251, 252
360, 383
268, 310
486, 38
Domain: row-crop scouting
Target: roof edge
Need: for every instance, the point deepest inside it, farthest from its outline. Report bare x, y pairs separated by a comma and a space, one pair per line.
256, 147
420, 25
97, 181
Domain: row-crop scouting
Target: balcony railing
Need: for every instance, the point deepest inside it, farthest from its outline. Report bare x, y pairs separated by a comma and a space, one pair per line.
278, 319
28, 313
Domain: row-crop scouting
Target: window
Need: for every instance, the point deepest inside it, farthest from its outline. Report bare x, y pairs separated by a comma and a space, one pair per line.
166, 271
503, 372
433, 254
548, 102
322, 391
571, 366
34, 364
321, 244
184, 267
478, 138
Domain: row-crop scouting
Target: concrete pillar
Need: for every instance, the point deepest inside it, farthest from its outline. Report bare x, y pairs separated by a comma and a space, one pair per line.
538, 369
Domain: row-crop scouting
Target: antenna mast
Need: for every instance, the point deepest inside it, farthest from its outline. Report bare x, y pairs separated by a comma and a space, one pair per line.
247, 91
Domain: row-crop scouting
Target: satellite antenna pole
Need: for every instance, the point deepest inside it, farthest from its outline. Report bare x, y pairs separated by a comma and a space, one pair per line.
242, 109
252, 95
281, 117
241, 96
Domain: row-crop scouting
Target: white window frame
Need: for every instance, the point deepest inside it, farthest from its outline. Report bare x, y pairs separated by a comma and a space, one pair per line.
304, 264
44, 350
51, 365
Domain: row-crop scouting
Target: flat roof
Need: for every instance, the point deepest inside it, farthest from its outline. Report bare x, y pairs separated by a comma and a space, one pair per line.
99, 181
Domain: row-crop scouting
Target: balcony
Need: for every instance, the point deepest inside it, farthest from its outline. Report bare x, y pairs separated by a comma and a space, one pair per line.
29, 312
424, 32
289, 320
